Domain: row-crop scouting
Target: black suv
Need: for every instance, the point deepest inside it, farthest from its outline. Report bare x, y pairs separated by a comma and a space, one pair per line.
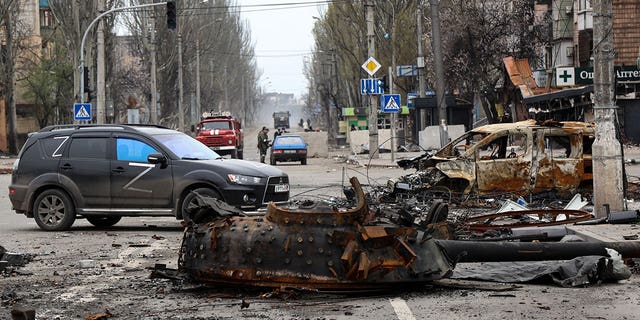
104, 172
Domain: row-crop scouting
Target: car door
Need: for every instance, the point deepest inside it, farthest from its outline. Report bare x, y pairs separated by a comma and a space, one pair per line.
84, 169
559, 161
503, 163
136, 183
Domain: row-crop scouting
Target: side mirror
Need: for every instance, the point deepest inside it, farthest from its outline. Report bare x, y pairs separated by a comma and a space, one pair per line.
154, 158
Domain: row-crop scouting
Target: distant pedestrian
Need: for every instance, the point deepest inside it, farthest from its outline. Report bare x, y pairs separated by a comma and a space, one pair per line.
309, 125
305, 126
277, 133
263, 143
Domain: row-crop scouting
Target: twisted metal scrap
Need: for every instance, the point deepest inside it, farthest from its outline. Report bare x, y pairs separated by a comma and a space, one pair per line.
314, 246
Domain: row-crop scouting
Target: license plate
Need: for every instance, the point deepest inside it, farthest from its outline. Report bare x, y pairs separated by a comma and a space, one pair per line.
289, 151
281, 188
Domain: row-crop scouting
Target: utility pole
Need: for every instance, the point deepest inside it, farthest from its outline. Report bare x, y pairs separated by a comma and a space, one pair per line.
607, 154
391, 86
198, 103
437, 59
180, 87
100, 71
422, 84
10, 67
153, 109
373, 100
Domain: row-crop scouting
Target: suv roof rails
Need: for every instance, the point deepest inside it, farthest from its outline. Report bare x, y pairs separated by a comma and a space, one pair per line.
93, 126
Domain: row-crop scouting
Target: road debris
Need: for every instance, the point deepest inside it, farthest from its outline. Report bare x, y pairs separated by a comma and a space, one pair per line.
360, 243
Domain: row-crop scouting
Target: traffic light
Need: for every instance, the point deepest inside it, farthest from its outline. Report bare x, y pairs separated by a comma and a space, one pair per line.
85, 78
171, 15
383, 84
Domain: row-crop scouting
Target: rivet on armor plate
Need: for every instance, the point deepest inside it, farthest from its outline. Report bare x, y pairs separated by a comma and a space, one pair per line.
258, 273
329, 252
202, 256
249, 250
318, 221
300, 252
310, 239
309, 262
301, 221
287, 261
262, 232
300, 240
258, 260
201, 247
320, 250
271, 239
270, 228
286, 220
330, 263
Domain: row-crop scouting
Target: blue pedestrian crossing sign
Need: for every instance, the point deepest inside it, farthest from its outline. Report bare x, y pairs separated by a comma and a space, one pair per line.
391, 103
81, 111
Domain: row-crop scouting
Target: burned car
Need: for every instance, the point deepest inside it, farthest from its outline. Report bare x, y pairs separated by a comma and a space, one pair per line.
524, 157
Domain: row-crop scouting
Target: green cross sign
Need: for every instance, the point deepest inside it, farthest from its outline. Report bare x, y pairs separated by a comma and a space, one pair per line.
565, 76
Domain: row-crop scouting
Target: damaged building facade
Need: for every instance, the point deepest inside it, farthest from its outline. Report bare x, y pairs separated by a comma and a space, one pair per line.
562, 88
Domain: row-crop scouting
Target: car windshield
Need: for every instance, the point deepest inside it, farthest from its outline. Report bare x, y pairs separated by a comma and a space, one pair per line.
220, 125
288, 140
186, 147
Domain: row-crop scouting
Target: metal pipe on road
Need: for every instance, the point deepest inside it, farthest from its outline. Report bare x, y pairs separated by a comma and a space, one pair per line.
473, 251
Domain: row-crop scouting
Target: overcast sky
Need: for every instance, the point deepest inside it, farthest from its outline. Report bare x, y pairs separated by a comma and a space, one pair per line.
282, 37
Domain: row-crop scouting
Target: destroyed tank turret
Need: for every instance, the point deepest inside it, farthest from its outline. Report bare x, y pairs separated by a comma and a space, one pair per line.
312, 246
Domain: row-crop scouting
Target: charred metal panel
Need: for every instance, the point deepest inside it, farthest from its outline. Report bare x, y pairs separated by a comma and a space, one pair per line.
315, 247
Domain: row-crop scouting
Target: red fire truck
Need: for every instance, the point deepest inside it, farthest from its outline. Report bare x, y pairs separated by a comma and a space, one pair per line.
222, 133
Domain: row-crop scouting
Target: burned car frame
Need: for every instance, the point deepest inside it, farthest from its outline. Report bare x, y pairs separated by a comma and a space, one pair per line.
523, 157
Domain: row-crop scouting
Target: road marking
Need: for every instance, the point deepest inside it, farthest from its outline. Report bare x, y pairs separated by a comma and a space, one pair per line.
402, 309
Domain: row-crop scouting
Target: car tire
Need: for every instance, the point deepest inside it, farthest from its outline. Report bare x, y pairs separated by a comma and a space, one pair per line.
53, 210
240, 155
103, 221
191, 200
272, 161
303, 161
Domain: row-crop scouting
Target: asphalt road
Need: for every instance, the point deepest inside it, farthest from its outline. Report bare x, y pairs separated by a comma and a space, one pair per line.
89, 270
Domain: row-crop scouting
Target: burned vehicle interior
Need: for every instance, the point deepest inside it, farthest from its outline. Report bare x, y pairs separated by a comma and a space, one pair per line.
523, 157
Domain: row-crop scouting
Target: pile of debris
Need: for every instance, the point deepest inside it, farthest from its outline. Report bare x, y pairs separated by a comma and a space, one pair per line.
365, 241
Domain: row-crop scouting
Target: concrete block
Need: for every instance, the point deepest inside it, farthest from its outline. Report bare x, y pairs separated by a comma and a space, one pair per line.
86, 264
317, 145
429, 138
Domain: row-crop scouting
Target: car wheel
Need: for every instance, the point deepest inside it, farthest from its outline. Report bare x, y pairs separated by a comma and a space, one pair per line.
303, 161
192, 201
53, 210
272, 161
240, 155
103, 221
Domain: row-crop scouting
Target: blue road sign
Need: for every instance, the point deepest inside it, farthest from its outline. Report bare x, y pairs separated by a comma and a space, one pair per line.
81, 111
410, 97
390, 103
371, 86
